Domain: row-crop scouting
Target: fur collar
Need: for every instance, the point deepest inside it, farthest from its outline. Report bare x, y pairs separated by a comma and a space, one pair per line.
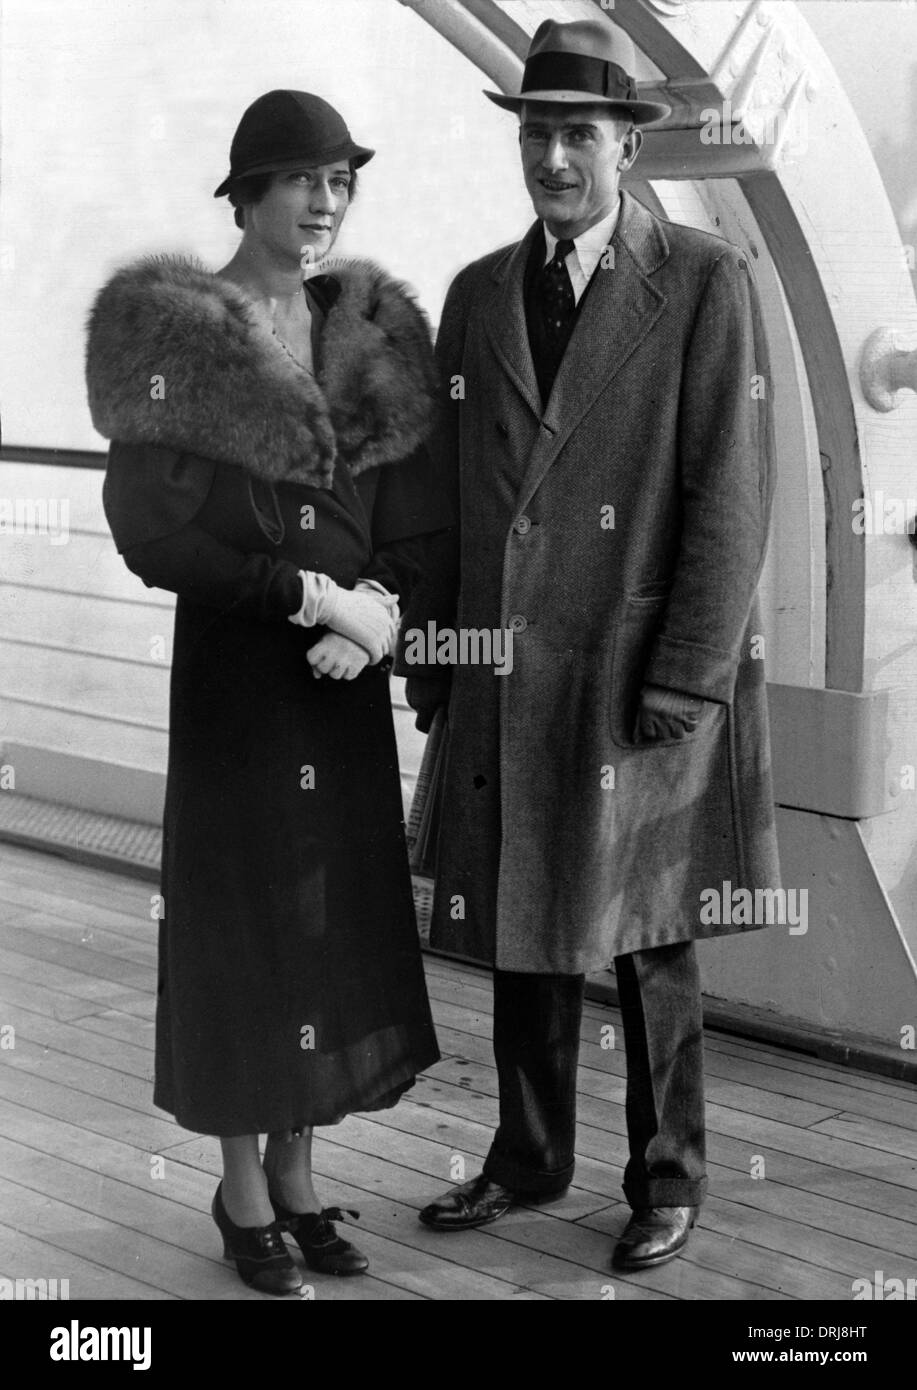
229, 391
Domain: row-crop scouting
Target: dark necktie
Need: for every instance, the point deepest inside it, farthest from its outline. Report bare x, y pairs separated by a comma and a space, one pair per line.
558, 304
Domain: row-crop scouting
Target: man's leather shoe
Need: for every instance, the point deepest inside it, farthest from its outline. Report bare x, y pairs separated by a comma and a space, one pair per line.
473, 1204
653, 1236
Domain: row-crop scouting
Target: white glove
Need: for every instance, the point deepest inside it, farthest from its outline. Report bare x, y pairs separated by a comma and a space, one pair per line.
370, 586
365, 615
336, 656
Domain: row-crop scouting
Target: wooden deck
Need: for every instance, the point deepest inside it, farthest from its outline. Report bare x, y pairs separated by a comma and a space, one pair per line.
80, 1143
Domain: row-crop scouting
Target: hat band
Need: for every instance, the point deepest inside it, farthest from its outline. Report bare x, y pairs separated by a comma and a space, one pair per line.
311, 159
577, 72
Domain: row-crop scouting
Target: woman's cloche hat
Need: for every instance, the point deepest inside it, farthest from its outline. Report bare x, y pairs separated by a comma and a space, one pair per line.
289, 130
587, 60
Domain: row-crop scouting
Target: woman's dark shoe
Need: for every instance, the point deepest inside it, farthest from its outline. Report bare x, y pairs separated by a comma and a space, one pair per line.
322, 1248
261, 1257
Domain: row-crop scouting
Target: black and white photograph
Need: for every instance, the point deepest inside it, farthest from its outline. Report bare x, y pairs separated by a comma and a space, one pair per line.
458, 669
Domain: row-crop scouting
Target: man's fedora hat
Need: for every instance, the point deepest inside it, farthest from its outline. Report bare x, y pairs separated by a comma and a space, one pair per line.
289, 130
588, 60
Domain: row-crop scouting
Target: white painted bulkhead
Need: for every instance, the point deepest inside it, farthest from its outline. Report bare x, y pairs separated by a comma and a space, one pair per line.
84, 647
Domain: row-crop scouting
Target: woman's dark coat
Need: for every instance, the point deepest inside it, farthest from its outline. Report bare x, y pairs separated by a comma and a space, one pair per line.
291, 985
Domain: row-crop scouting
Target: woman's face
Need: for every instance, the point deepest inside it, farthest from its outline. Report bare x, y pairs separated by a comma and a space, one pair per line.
302, 207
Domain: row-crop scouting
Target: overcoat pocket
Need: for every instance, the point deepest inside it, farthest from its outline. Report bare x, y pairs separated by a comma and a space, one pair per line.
641, 617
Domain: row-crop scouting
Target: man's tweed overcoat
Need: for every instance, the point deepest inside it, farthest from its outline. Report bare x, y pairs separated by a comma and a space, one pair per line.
564, 840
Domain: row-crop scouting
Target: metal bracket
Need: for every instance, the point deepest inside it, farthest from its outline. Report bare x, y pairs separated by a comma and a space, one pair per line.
829, 750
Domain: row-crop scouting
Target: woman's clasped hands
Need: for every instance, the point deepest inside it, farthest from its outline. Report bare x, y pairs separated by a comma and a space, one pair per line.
338, 657
364, 623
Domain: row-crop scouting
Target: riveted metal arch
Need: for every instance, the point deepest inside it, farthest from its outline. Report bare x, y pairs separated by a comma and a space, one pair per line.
703, 66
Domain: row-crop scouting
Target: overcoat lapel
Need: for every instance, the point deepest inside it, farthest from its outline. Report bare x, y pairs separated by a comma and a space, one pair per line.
621, 307
505, 322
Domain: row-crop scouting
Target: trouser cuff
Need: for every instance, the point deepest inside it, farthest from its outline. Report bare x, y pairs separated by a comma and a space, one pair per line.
666, 1192
508, 1172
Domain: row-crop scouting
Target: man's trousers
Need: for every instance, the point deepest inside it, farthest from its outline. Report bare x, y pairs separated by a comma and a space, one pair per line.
537, 1022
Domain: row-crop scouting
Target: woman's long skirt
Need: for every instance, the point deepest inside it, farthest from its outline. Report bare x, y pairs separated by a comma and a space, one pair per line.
291, 988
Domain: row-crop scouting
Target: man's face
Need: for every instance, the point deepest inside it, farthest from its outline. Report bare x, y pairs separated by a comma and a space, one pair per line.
302, 207
572, 158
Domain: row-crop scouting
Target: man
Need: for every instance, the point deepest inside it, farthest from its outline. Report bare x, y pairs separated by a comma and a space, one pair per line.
607, 430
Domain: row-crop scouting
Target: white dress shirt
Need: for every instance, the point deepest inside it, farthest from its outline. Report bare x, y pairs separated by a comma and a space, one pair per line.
587, 250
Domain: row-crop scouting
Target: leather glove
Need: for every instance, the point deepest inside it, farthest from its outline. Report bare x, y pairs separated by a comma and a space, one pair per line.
338, 657
366, 616
425, 694
665, 714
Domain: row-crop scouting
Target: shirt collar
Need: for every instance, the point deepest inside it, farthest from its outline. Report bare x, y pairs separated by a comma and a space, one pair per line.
590, 244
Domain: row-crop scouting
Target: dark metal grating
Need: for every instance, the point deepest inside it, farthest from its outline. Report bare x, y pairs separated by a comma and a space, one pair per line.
125, 845
423, 906
108, 841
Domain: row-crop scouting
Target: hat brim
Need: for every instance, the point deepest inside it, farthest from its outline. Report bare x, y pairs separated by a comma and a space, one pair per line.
642, 112
358, 155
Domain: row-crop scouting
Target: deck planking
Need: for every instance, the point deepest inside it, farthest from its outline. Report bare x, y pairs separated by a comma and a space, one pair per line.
80, 1139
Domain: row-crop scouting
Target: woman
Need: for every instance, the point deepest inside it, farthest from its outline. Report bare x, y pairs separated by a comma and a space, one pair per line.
267, 466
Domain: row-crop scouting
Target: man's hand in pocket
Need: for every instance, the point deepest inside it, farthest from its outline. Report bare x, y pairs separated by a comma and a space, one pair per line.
667, 714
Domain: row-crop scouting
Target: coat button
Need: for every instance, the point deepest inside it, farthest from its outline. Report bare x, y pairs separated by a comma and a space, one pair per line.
517, 623
522, 525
